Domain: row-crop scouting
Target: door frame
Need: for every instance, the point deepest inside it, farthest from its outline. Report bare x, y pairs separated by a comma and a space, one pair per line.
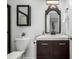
8, 28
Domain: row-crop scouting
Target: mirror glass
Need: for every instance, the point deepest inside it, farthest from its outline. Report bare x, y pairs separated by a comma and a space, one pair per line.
52, 22
22, 19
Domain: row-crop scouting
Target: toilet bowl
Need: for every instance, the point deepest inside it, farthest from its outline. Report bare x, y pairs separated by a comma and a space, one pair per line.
15, 55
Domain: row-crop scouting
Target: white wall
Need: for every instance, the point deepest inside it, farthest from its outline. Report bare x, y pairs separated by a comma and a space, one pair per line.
66, 4
38, 8
37, 18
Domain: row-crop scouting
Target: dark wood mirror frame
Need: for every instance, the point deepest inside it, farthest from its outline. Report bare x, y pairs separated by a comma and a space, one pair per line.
28, 16
58, 12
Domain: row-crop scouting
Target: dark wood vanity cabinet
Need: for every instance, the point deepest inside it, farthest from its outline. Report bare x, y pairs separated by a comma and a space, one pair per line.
53, 49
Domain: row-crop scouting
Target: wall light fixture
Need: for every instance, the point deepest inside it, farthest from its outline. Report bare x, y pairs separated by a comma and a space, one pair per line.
52, 2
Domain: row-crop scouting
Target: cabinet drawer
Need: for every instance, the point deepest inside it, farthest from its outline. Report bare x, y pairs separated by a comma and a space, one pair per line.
41, 42
61, 43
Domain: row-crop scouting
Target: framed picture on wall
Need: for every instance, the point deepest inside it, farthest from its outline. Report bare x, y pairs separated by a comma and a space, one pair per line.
23, 15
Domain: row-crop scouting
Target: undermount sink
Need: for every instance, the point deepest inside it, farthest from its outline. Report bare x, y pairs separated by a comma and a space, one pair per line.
57, 36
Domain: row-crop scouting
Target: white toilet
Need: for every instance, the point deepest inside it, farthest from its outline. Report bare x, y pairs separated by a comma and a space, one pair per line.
21, 44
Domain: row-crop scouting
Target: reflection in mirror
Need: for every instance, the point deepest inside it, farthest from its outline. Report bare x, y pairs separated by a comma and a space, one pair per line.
22, 19
53, 22
24, 10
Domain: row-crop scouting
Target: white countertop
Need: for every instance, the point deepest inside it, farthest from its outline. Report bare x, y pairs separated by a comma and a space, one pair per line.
53, 37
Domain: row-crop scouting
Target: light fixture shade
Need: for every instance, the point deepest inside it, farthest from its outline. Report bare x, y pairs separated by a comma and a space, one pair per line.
52, 2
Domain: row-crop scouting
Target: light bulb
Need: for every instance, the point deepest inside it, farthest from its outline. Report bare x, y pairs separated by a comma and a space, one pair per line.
52, 2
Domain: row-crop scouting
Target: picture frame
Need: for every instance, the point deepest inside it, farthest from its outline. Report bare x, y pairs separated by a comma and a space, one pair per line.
23, 15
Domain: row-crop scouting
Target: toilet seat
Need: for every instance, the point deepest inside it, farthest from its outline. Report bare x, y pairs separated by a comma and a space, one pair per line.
15, 55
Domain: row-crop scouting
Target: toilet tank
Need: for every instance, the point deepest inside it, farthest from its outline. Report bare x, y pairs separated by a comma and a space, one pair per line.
21, 43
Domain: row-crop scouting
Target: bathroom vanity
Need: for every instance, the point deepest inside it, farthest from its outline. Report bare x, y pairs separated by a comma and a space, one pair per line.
53, 47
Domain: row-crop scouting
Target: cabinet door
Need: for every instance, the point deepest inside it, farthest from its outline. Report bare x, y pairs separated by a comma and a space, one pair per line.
43, 48
60, 49
43, 57
54, 49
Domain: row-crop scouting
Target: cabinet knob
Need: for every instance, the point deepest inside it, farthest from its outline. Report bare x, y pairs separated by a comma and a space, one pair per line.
44, 43
62, 43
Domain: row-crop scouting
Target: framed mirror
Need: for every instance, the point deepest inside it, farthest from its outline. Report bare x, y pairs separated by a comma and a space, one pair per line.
53, 20
23, 15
